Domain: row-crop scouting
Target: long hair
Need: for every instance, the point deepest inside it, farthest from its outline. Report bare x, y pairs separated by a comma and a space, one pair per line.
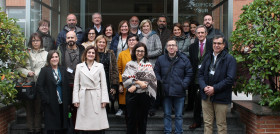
49, 56
180, 27
84, 55
120, 25
33, 37
133, 54
99, 37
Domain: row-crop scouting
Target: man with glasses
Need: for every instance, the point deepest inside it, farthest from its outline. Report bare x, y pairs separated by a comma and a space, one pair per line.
134, 25
197, 52
71, 21
174, 71
216, 77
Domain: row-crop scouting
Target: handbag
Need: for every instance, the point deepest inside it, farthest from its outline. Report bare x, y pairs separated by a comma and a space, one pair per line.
26, 90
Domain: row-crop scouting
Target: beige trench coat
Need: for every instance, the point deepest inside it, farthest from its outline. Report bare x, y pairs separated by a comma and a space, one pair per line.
90, 90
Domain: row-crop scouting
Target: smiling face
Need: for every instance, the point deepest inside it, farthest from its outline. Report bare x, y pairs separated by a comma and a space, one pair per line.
71, 38
124, 28
140, 53
134, 22
177, 31
172, 47
146, 28
44, 28
91, 35
101, 44
201, 34
90, 55
131, 42
96, 19
36, 43
54, 60
193, 28
218, 45
109, 31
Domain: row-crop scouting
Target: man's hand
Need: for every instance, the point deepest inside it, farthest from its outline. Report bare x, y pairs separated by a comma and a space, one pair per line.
209, 90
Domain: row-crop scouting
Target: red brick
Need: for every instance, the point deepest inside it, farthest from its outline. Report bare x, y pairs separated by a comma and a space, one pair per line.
272, 130
272, 121
266, 126
260, 130
277, 126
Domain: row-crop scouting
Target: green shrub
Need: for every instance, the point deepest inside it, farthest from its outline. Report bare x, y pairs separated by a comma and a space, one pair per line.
256, 47
12, 54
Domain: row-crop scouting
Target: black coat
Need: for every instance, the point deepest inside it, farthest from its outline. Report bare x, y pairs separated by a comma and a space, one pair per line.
222, 80
47, 88
194, 50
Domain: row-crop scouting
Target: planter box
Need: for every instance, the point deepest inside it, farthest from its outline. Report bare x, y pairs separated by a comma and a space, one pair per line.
257, 119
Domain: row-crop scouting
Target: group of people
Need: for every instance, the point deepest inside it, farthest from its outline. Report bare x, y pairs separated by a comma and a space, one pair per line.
84, 73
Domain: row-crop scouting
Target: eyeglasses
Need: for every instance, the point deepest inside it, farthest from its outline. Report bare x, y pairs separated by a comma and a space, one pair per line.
217, 43
44, 26
91, 33
186, 26
140, 51
172, 45
130, 40
36, 40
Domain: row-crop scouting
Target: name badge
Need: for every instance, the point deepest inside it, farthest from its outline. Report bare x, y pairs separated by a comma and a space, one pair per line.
199, 66
70, 70
212, 72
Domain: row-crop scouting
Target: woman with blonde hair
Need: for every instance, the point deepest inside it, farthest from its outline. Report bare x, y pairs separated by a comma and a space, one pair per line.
109, 61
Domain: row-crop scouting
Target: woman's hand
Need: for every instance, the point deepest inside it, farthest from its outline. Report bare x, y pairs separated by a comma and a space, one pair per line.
77, 104
112, 91
132, 89
31, 74
120, 89
103, 104
142, 84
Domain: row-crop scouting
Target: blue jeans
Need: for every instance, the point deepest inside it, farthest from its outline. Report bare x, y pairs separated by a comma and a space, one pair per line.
168, 103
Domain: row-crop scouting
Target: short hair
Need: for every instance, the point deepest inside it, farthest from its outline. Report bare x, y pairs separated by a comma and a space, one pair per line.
134, 16
113, 29
49, 56
98, 38
179, 26
98, 14
186, 21
171, 39
41, 22
208, 15
84, 55
145, 21
32, 37
130, 36
86, 34
133, 53
201, 26
217, 36
162, 16
120, 25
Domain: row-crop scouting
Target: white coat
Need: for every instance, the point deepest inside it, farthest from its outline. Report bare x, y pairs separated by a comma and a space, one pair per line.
90, 90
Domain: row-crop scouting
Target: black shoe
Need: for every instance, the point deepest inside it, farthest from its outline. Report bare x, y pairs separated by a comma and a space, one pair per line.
194, 126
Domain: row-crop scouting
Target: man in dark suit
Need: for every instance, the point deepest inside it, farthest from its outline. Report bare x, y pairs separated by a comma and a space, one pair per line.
97, 20
197, 52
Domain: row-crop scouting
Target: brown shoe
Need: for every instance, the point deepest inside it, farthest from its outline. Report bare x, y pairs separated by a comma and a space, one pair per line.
194, 126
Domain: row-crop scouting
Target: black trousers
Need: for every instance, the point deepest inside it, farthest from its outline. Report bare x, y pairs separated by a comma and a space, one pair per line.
197, 107
92, 132
137, 105
191, 97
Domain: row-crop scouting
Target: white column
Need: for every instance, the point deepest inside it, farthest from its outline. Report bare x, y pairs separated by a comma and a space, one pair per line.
175, 10
82, 14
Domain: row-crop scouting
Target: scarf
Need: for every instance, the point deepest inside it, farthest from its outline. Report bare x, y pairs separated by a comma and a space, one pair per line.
145, 37
143, 72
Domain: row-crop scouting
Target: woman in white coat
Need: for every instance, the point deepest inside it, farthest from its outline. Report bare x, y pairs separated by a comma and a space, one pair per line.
90, 94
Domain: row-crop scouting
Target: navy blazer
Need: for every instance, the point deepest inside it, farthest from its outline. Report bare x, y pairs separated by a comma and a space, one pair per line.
222, 80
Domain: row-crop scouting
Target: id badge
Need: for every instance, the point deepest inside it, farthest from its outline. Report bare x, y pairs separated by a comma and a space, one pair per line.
212, 72
70, 70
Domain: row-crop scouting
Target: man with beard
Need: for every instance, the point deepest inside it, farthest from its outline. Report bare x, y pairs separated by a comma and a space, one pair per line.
70, 54
134, 25
71, 26
96, 20
208, 23
162, 31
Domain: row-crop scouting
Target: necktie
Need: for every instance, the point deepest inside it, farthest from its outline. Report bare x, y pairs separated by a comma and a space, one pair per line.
201, 49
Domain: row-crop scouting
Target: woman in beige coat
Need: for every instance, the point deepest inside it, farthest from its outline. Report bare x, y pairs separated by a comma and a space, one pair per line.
90, 94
